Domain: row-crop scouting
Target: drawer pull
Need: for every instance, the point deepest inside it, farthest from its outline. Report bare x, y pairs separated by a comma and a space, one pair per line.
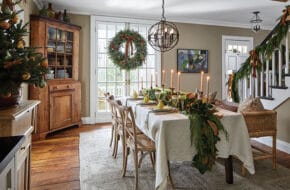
22, 148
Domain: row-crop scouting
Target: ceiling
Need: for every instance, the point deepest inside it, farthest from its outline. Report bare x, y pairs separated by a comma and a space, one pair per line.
213, 12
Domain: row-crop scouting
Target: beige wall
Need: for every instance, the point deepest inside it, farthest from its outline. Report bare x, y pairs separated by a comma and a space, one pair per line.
209, 38
29, 8
191, 36
84, 63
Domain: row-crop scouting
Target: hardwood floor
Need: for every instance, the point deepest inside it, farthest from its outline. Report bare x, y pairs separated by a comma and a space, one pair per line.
55, 161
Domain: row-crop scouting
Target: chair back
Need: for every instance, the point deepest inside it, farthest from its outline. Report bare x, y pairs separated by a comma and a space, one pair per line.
128, 120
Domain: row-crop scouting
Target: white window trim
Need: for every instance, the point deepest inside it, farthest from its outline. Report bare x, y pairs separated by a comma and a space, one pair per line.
105, 117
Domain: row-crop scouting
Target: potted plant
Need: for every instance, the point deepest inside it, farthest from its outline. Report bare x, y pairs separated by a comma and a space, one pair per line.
18, 63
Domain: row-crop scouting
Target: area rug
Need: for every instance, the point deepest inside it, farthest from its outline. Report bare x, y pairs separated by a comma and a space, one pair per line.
100, 171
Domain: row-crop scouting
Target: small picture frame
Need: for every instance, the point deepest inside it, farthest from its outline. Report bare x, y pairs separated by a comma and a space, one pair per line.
192, 60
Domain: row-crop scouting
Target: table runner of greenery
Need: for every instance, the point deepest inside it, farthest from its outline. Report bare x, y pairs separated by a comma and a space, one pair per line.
204, 126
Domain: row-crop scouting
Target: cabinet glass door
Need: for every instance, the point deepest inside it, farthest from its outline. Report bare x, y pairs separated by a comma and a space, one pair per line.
59, 53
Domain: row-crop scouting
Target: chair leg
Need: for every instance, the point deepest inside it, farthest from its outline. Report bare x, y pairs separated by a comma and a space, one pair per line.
152, 160
112, 135
136, 168
125, 161
169, 175
243, 170
274, 152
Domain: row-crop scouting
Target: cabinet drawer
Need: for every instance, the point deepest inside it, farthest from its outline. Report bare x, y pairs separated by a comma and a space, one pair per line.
53, 88
21, 154
22, 123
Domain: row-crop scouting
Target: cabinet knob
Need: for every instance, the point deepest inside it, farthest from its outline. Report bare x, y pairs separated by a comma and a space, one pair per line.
22, 148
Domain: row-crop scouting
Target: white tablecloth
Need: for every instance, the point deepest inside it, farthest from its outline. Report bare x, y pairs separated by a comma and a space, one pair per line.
171, 133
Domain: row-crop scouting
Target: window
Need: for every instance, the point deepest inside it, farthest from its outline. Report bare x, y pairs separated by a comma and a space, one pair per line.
106, 76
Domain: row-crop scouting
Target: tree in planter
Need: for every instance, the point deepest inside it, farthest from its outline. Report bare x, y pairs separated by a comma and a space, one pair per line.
18, 63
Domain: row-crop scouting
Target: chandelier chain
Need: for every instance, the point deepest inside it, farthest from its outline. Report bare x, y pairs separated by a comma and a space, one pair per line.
163, 17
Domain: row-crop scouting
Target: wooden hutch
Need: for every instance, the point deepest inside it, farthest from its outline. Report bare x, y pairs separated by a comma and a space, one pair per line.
60, 105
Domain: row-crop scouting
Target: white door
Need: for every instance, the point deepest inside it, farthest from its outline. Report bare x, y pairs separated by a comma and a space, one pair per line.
235, 52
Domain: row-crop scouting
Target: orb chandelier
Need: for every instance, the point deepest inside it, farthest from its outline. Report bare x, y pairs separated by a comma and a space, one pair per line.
163, 35
256, 22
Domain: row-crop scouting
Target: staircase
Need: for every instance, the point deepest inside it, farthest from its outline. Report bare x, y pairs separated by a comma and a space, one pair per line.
272, 81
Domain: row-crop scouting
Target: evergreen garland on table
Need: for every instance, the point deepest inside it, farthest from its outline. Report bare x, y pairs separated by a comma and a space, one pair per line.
265, 50
17, 63
131, 40
204, 127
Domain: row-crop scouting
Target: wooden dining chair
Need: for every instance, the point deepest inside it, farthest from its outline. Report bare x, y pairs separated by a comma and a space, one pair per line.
135, 141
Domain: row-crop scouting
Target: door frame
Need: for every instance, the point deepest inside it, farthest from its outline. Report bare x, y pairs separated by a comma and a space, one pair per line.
224, 38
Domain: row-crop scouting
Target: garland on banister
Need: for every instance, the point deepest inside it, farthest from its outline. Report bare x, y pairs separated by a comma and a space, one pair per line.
253, 62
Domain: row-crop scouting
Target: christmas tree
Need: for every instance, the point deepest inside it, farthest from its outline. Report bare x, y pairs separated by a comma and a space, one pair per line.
18, 63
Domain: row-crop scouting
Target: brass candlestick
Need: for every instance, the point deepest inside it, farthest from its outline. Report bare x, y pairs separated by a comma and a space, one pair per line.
163, 87
172, 90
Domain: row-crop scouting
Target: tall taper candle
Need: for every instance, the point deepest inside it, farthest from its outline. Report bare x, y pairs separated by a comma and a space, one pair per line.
151, 80
163, 77
201, 81
156, 79
141, 83
178, 82
171, 79
207, 86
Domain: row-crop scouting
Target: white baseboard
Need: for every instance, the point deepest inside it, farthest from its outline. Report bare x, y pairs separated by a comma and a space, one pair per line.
91, 120
281, 145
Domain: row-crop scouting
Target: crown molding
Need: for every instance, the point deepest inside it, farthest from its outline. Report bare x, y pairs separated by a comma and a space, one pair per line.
40, 3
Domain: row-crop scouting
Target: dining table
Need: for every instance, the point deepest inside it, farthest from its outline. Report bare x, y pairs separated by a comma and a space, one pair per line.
170, 130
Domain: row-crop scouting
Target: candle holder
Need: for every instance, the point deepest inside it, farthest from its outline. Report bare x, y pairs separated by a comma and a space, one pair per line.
163, 87
200, 94
172, 90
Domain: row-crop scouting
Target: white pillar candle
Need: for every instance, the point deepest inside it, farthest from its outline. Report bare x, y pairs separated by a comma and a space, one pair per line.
178, 81
171, 79
201, 81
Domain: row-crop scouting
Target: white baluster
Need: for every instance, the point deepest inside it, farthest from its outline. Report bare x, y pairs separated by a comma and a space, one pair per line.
256, 85
267, 78
286, 55
280, 68
262, 78
273, 69
245, 86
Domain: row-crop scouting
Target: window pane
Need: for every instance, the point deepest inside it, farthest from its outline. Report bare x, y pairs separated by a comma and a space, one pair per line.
111, 31
102, 44
120, 90
133, 75
102, 105
133, 86
120, 75
120, 27
101, 31
110, 63
151, 61
101, 89
101, 75
102, 60
111, 75
111, 88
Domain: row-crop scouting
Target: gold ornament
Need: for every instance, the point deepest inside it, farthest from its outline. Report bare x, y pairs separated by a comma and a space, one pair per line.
5, 25
26, 76
20, 44
44, 63
15, 19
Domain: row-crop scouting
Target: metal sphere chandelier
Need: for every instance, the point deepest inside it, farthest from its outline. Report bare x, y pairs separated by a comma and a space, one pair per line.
163, 35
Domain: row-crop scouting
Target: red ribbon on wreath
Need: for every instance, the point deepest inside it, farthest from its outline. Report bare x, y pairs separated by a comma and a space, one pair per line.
129, 42
254, 61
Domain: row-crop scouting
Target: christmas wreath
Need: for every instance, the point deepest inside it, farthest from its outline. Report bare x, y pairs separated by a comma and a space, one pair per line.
129, 59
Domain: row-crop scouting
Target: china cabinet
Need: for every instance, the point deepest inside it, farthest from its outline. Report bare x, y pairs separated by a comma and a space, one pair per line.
61, 99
